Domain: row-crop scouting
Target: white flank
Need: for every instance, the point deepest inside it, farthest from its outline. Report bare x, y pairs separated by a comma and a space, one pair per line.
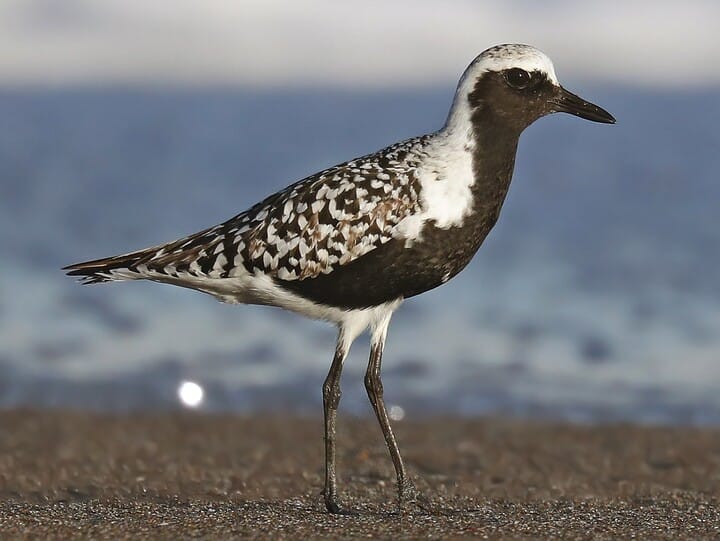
446, 178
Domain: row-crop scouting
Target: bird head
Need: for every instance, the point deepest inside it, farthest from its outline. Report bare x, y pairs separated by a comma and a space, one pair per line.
516, 84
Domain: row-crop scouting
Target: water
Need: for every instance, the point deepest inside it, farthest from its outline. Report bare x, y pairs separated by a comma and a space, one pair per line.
595, 298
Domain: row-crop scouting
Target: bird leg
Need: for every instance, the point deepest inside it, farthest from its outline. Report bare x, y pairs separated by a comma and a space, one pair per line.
331, 399
407, 493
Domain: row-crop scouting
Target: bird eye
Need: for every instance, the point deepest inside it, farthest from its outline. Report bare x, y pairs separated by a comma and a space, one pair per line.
517, 78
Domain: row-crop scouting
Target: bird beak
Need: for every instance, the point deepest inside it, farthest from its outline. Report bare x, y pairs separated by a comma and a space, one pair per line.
567, 102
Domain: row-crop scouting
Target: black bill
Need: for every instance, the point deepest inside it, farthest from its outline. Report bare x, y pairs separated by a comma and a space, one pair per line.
567, 102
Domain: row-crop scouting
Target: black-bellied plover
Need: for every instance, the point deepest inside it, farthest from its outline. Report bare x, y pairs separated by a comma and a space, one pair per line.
349, 243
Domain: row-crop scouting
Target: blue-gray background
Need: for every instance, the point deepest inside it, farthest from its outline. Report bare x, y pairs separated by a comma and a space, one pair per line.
595, 298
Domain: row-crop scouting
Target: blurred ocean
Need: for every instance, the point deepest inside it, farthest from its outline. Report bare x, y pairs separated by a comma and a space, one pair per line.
595, 298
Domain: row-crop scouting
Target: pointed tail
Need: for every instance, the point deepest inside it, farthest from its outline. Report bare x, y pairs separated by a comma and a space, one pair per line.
108, 269
155, 263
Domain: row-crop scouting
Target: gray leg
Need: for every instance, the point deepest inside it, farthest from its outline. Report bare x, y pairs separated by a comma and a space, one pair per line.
331, 399
374, 386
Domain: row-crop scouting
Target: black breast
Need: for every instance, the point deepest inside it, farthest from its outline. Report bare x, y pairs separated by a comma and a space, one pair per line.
393, 270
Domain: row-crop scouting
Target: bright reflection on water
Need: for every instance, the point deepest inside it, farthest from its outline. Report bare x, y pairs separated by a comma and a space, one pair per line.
396, 413
190, 394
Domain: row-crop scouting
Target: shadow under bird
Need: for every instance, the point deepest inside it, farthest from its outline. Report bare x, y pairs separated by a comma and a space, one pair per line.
349, 243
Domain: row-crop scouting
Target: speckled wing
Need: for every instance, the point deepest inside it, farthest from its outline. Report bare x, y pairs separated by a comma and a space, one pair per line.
318, 224
324, 221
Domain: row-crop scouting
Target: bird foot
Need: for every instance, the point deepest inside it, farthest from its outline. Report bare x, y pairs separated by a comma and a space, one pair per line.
409, 497
334, 507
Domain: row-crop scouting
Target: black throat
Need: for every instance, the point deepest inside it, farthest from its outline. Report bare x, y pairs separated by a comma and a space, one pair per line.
493, 162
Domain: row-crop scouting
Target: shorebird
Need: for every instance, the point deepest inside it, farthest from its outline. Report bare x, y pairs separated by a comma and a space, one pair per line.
350, 243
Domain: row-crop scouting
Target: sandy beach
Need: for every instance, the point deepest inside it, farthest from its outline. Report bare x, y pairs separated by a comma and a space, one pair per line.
67, 475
